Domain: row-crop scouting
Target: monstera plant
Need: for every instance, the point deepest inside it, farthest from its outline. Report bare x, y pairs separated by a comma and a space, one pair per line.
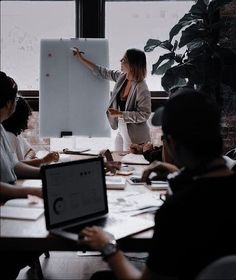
205, 62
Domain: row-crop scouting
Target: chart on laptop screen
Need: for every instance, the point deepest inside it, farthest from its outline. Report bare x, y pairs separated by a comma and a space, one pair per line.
75, 191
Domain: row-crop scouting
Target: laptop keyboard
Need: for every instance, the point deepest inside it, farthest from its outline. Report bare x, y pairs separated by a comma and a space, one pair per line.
109, 221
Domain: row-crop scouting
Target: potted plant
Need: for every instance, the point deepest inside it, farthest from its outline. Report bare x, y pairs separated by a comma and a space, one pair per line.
205, 63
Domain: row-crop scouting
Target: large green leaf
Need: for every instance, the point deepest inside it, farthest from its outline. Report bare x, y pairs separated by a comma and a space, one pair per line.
151, 45
166, 45
186, 20
200, 8
154, 43
190, 72
175, 45
195, 44
171, 79
167, 56
191, 33
164, 67
195, 52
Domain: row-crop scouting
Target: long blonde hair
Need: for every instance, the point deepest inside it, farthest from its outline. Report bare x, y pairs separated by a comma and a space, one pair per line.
137, 63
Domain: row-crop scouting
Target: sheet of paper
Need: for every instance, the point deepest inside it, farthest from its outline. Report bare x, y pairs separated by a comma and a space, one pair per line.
134, 159
115, 182
25, 203
13, 212
132, 202
32, 183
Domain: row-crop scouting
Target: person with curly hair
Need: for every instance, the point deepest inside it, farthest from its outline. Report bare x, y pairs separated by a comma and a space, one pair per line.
15, 125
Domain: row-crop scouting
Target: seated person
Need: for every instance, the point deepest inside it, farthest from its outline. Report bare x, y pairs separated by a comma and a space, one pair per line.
196, 224
160, 161
149, 151
10, 168
15, 125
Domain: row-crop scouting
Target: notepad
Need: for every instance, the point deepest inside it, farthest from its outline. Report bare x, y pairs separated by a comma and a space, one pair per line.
115, 182
21, 213
25, 203
134, 159
158, 186
33, 183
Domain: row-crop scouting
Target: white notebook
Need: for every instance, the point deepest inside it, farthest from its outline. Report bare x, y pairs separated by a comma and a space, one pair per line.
14, 212
115, 183
134, 159
32, 202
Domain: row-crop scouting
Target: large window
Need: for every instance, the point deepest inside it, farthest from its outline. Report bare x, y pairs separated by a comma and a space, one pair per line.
23, 25
131, 24
127, 24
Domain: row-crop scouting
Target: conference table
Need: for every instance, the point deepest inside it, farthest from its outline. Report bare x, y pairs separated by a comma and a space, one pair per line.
16, 234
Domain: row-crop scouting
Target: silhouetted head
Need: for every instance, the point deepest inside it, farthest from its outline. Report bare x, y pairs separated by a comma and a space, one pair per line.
18, 121
8, 89
193, 121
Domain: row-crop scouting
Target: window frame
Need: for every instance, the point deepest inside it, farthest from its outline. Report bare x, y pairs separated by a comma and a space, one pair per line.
90, 23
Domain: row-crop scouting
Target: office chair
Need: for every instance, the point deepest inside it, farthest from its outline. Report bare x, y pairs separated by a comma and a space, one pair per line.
223, 268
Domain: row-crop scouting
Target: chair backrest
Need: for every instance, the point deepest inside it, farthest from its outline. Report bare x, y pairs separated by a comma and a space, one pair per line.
223, 268
231, 153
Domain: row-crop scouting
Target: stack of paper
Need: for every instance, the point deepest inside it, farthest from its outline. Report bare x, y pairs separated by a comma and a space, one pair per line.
134, 159
22, 208
115, 182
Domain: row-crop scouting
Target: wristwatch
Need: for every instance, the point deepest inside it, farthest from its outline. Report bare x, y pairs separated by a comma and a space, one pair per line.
109, 249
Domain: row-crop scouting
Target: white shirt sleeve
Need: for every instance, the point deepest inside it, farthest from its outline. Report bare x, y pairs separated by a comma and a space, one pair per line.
23, 147
19, 145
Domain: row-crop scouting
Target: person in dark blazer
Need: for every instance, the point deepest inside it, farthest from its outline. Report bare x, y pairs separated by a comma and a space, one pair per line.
130, 104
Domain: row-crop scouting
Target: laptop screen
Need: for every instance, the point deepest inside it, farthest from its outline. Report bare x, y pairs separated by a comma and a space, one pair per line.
74, 191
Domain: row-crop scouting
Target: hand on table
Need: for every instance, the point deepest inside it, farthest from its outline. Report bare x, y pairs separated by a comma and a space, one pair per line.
51, 157
95, 237
140, 148
112, 166
136, 148
161, 168
147, 146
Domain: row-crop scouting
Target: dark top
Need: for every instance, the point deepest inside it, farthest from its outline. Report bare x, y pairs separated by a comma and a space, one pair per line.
121, 103
153, 154
195, 226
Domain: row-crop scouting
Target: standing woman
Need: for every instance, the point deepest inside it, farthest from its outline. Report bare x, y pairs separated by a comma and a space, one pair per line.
130, 104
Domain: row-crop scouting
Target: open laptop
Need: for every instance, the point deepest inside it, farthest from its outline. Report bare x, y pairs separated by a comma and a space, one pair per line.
75, 196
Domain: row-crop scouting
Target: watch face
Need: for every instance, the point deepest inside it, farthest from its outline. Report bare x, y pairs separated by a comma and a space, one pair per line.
109, 249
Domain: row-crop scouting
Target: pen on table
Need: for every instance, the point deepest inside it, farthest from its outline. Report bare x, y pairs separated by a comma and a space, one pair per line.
67, 151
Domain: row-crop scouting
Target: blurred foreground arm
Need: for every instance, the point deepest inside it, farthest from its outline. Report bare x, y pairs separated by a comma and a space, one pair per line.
162, 169
8, 191
96, 238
